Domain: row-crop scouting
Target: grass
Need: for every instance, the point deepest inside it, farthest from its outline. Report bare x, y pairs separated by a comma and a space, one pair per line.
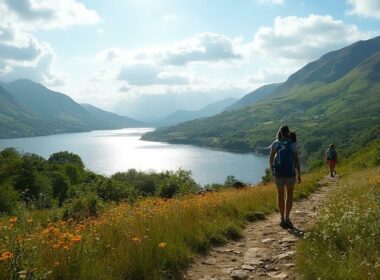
345, 241
151, 239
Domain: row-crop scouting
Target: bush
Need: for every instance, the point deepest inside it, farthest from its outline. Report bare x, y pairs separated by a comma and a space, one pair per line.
83, 206
8, 198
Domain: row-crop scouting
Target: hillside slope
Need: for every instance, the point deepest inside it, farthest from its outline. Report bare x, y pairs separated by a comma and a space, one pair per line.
207, 111
322, 111
254, 96
30, 109
111, 119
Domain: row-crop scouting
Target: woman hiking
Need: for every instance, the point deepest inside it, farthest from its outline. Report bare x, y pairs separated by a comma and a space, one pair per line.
284, 162
331, 158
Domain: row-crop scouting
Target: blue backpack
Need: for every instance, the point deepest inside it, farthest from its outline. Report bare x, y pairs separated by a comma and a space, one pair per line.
331, 154
283, 165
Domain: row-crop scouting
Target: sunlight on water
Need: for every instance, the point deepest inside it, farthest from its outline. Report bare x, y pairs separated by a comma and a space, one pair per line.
110, 151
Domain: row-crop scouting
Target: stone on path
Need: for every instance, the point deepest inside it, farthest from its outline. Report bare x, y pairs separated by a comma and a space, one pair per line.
276, 275
239, 275
289, 239
288, 264
267, 240
209, 261
285, 255
248, 267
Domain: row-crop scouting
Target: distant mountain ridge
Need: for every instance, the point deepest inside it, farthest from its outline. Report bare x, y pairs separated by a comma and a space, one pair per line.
335, 99
30, 109
207, 111
254, 96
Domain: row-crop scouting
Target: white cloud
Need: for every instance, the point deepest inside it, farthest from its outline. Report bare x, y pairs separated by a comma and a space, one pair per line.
203, 47
149, 74
40, 71
365, 8
23, 56
271, 75
47, 14
305, 38
124, 88
271, 2
170, 18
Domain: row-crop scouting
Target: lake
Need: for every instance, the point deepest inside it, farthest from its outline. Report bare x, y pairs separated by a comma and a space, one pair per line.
110, 151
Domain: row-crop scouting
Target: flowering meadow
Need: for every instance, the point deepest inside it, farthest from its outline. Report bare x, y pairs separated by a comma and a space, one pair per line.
345, 241
153, 238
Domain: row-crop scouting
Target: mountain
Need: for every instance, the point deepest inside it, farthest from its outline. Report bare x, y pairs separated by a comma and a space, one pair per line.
254, 96
111, 119
332, 100
47, 104
207, 111
30, 109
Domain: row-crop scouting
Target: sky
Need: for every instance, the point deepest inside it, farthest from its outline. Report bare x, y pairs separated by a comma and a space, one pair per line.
131, 56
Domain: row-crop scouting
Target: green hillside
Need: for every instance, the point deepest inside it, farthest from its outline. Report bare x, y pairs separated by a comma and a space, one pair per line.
254, 96
111, 119
341, 104
30, 109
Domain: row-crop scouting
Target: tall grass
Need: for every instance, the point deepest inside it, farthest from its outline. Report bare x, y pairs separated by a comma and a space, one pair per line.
150, 239
345, 241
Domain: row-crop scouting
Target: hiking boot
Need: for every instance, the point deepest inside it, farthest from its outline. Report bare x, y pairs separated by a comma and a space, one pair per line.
283, 224
288, 224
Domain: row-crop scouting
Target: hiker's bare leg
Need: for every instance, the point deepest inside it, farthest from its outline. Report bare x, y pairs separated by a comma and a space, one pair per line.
281, 201
289, 200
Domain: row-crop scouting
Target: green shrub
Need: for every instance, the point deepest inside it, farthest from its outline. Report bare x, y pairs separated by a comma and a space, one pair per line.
83, 206
8, 198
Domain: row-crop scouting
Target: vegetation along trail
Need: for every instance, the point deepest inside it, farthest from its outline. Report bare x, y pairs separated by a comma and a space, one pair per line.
266, 251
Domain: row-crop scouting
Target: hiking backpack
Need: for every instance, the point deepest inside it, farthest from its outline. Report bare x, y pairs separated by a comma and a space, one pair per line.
283, 165
331, 154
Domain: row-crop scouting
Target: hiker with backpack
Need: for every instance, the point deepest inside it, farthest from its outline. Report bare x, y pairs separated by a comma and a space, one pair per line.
284, 162
331, 158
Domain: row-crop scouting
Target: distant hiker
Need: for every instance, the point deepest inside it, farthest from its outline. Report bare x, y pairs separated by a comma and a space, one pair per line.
331, 158
284, 162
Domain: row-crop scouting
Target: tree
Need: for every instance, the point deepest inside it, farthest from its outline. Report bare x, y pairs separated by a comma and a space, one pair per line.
66, 158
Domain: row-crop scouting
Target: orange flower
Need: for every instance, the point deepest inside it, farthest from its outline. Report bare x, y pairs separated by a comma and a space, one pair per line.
13, 220
56, 264
29, 221
76, 239
162, 245
6, 256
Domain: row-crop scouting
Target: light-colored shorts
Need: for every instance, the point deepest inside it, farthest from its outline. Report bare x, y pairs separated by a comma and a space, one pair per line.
282, 181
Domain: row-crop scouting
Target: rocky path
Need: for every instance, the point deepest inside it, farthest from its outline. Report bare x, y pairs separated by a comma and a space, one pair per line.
266, 251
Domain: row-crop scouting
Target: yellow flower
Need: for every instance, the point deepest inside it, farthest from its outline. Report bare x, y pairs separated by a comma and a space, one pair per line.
29, 221
13, 220
136, 239
56, 264
162, 245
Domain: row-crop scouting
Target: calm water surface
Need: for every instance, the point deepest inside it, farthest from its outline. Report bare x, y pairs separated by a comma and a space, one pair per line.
109, 151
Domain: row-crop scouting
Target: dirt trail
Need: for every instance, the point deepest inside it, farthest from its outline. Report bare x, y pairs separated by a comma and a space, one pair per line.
266, 251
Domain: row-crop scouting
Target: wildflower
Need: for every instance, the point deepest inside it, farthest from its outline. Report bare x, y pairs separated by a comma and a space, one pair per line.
162, 245
136, 239
76, 239
13, 220
6, 256
56, 264
66, 247
29, 221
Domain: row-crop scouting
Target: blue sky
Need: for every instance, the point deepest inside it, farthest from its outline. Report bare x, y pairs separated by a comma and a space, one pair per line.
116, 54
